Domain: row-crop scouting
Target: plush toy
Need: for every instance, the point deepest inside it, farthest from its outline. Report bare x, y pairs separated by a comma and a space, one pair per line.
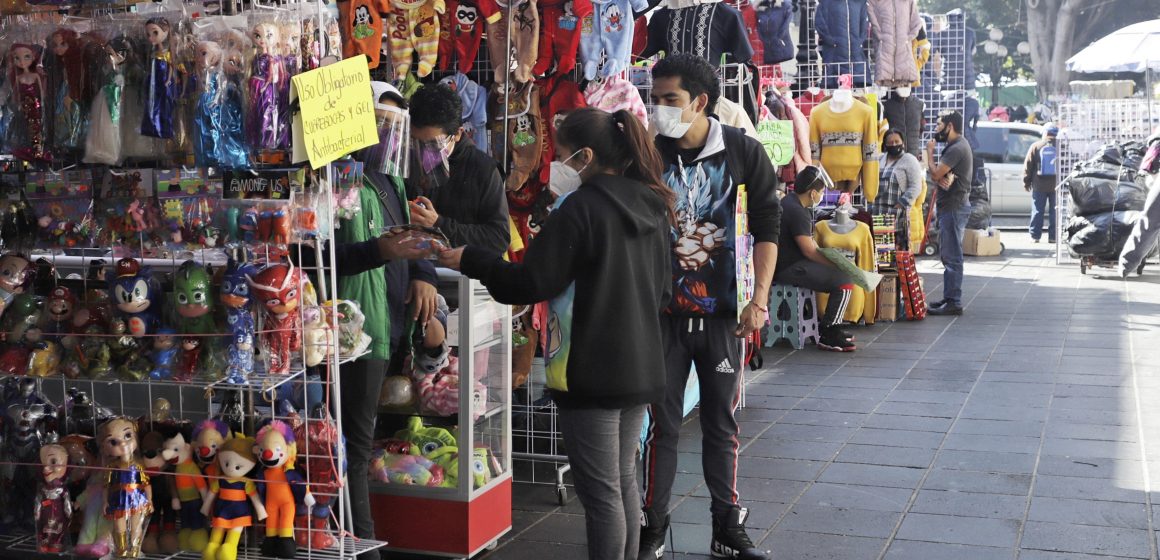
128, 494
439, 394
277, 287
321, 439
53, 509
191, 490
233, 502
164, 354
191, 288
208, 438
424, 440
406, 469
137, 296
16, 272
161, 532
318, 340
277, 451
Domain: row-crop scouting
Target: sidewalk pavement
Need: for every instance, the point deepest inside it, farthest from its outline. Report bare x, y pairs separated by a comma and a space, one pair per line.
1022, 429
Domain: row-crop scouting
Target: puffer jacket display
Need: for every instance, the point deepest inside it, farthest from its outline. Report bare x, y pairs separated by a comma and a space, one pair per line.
905, 114
842, 27
896, 24
773, 25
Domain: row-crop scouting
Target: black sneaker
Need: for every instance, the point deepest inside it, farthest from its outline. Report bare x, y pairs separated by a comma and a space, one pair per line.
948, 309
844, 334
833, 341
936, 304
730, 539
652, 535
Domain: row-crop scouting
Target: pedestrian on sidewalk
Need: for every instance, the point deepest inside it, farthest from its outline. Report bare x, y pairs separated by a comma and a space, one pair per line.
952, 173
1039, 179
705, 162
606, 247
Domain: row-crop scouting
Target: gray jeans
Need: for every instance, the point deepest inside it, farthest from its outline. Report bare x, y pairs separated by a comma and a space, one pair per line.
602, 448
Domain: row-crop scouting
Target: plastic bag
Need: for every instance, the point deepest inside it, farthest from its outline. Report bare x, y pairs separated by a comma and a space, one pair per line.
980, 214
1101, 235
1093, 194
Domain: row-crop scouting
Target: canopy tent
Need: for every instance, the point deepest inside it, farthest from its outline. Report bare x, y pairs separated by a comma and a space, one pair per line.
1135, 48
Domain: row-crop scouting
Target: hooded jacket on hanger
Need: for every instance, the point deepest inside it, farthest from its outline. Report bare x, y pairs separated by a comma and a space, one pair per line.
842, 27
896, 24
773, 24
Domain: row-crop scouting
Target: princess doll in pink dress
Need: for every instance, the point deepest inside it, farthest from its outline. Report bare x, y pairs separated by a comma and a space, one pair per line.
28, 81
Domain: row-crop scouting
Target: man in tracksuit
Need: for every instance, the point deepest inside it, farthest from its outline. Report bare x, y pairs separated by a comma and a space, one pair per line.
705, 163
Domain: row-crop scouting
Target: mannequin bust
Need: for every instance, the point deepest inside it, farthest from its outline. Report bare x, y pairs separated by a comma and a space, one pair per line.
903, 91
842, 223
842, 100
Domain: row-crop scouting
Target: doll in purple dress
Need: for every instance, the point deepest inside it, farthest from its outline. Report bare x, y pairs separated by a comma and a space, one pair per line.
266, 76
53, 510
160, 88
291, 48
129, 498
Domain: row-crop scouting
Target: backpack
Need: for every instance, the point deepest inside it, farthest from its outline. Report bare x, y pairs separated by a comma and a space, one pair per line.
1047, 163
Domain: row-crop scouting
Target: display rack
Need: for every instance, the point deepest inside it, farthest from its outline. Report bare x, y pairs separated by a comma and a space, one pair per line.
465, 519
944, 82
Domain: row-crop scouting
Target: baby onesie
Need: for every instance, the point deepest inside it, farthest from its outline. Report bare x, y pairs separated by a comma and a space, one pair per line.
415, 29
460, 31
562, 98
525, 41
606, 37
561, 36
474, 99
525, 140
615, 94
361, 23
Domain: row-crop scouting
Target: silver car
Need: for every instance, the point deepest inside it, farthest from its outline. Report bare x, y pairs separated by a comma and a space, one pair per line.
1003, 147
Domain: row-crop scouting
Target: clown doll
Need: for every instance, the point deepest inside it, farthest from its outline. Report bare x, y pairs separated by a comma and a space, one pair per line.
208, 437
277, 287
191, 488
232, 503
128, 495
53, 510
281, 485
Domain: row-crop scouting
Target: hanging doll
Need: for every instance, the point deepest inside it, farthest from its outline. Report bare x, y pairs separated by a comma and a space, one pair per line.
281, 487
207, 115
311, 45
232, 502
266, 76
128, 494
161, 532
66, 69
27, 80
53, 509
103, 144
232, 152
160, 88
277, 287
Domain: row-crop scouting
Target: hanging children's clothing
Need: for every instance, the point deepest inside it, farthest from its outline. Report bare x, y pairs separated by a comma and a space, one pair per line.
414, 27
474, 99
562, 96
525, 41
846, 144
460, 32
560, 42
361, 22
709, 31
860, 242
525, 139
606, 37
615, 94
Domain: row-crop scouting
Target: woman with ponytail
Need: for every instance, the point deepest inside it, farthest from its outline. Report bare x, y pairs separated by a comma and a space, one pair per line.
605, 248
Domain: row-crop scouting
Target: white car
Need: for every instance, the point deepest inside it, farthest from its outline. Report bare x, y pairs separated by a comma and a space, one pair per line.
1003, 147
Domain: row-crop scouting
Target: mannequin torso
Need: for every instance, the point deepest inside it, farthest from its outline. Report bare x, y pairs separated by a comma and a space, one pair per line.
842, 223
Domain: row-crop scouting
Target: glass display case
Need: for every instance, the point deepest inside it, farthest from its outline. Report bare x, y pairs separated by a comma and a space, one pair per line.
426, 496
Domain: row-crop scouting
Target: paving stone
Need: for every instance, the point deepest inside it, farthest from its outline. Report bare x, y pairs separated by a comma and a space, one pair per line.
1087, 488
799, 432
521, 549
956, 529
918, 550
815, 418
991, 412
1092, 467
810, 546
897, 438
771, 402
929, 397
969, 504
1125, 405
1084, 416
856, 496
911, 423
806, 450
853, 393
1008, 444
839, 521
935, 385
872, 475
859, 381
985, 461
558, 528
892, 456
1101, 432
970, 481
763, 490
998, 427
779, 469
1110, 541
836, 405
1089, 512
1026, 554
1090, 448
689, 537
777, 390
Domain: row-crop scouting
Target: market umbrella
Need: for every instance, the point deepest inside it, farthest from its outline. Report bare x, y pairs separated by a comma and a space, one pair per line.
1135, 48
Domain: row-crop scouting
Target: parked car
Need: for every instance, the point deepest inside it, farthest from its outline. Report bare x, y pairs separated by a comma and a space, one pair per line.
1003, 147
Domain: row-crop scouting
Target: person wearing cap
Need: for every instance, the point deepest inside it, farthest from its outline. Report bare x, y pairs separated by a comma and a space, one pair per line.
800, 264
1039, 179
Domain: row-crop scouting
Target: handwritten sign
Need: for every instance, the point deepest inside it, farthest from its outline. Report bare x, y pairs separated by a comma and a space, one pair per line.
337, 113
777, 137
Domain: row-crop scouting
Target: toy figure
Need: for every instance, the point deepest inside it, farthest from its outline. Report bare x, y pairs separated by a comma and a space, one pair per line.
232, 151
231, 409
190, 353
137, 296
24, 312
233, 501
61, 304
248, 225
53, 509
164, 354
311, 47
97, 356
321, 439
161, 411
277, 288
191, 488
121, 344
136, 366
191, 288
95, 537
318, 340
208, 437
27, 80
103, 144
80, 415
240, 359
45, 360
207, 114
161, 83
266, 76
274, 226
161, 532
15, 274
24, 433
65, 67
277, 451
128, 494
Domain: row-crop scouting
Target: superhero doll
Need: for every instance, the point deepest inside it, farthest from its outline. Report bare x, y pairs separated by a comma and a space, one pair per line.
161, 532
320, 439
278, 288
235, 296
128, 495
137, 296
281, 487
53, 509
190, 488
192, 292
232, 503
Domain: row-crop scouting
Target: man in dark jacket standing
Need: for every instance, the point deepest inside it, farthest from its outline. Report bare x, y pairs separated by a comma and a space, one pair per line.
1039, 179
453, 185
705, 164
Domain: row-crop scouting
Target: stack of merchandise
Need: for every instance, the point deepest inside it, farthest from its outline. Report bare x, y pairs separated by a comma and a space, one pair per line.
1107, 194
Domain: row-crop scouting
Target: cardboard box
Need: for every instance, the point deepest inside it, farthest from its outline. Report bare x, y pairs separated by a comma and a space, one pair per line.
888, 298
982, 242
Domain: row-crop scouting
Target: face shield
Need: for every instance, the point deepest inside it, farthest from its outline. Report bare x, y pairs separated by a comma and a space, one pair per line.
391, 156
430, 161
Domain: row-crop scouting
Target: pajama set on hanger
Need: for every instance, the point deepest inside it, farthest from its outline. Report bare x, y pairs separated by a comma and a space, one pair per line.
561, 37
525, 41
362, 25
461, 30
414, 28
606, 37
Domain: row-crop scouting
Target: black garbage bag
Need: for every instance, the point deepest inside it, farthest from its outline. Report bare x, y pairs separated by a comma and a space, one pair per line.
1100, 235
979, 192
1093, 194
980, 214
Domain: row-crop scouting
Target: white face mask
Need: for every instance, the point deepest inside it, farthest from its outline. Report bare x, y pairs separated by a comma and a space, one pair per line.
669, 121
562, 178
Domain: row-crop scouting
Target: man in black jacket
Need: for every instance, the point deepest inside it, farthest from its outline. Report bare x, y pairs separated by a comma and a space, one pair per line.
453, 185
705, 164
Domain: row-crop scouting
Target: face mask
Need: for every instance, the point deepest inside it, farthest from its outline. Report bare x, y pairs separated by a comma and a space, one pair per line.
669, 121
562, 178
434, 154
942, 136
894, 151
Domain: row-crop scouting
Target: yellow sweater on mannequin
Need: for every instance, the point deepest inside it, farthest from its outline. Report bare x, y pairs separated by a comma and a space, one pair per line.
846, 144
863, 305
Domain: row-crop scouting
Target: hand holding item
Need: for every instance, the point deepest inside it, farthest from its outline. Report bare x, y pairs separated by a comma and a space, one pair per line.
451, 258
412, 242
947, 181
423, 212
